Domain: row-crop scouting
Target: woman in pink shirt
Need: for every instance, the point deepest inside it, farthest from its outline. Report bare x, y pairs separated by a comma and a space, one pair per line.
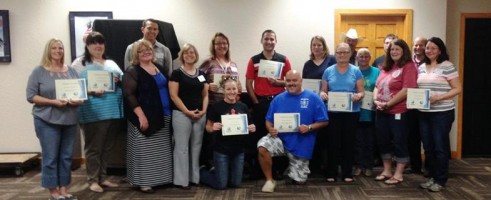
398, 73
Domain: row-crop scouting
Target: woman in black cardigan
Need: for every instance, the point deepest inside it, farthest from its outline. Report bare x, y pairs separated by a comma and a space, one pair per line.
147, 105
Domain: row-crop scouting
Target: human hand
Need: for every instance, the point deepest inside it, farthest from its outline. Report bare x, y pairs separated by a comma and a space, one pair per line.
302, 129
217, 126
251, 128
143, 123
324, 96
213, 87
59, 103
272, 80
73, 102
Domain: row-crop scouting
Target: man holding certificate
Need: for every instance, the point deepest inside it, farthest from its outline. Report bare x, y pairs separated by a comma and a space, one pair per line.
262, 86
304, 114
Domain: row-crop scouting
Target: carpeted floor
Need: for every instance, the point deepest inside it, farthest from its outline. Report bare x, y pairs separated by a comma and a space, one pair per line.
469, 179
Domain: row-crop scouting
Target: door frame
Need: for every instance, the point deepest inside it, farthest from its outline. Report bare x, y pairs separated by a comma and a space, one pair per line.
463, 18
406, 13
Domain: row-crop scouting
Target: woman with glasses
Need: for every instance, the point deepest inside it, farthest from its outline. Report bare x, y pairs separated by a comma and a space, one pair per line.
442, 78
189, 92
148, 110
228, 150
100, 116
345, 78
398, 73
215, 68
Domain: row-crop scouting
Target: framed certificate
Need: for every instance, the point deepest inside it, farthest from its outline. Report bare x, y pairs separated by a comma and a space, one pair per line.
418, 98
367, 101
100, 80
71, 89
218, 79
313, 85
340, 101
268, 68
234, 125
286, 122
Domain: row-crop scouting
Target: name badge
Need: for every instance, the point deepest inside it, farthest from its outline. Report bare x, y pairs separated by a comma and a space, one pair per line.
201, 78
234, 69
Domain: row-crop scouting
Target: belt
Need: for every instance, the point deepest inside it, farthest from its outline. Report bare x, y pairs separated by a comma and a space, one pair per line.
269, 98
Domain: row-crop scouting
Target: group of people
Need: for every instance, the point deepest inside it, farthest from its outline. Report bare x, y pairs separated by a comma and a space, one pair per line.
174, 115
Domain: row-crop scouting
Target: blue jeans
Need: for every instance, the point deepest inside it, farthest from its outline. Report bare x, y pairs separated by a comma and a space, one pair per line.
435, 134
57, 148
228, 171
391, 136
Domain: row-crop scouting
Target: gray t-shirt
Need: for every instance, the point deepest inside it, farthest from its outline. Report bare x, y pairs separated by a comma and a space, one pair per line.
42, 82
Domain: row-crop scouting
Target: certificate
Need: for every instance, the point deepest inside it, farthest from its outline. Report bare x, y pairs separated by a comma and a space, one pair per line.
219, 78
340, 101
313, 85
268, 68
286, 122
100, 80
70, 89
418, 98
234, 125
367, 101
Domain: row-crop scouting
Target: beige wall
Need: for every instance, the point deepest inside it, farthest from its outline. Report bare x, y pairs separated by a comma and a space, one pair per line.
34, 22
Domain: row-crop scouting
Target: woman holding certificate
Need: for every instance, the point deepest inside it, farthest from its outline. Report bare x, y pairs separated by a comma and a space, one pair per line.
398, 73
313, 70
55, 120
147, 106
189, 92
227, 120
342, 87
100, 116
216, 68
441, 77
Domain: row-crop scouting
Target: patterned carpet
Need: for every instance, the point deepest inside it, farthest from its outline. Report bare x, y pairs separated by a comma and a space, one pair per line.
469, 179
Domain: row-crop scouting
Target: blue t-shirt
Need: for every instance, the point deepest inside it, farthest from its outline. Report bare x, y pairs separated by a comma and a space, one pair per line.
370, 76
345, 82
311, 109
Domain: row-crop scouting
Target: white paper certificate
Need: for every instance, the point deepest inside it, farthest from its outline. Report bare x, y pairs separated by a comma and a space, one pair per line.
234, 125
367, 101
71, 89
268, 68
286, 122
418, 98
340, 101
218, 79
100, 80
313, 85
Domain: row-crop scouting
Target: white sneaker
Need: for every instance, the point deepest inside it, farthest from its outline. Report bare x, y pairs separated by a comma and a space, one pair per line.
269, 186
95, 187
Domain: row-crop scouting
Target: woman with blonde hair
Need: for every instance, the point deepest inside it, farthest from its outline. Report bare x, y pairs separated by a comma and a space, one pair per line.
55, 121
147, 106
189, 92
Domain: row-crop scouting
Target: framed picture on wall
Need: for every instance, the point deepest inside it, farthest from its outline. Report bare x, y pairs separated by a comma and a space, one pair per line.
5, 55
80, 24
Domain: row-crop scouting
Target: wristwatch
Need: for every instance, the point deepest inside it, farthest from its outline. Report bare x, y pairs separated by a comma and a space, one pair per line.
310, 127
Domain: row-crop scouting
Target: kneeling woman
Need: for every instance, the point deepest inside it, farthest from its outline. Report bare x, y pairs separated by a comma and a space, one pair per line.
228, 153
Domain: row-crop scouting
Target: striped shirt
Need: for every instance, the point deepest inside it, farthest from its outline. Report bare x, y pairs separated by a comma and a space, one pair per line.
438, 82
107, 106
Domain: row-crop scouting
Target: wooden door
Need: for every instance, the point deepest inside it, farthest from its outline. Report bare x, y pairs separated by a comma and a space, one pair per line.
373, 25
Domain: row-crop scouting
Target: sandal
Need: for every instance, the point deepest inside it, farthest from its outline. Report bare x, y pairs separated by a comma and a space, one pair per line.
393, 181
382, 177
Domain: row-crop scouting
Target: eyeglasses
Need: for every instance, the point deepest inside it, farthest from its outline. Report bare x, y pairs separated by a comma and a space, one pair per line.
144, 50
342, 52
